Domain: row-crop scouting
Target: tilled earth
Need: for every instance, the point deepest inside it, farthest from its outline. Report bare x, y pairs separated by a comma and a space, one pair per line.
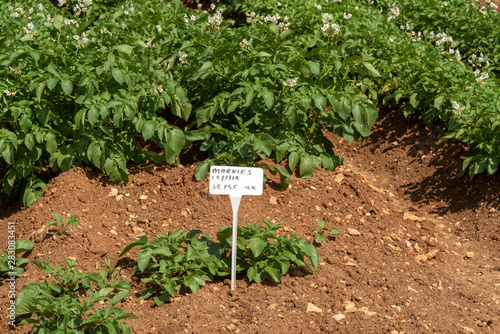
418, 249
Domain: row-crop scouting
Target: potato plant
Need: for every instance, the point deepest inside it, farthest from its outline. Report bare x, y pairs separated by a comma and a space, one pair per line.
87, 83
61, 225
180, 260
83, 90
71, 305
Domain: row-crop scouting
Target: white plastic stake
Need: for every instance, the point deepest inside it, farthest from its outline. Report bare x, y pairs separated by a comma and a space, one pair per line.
235, 203
235, 182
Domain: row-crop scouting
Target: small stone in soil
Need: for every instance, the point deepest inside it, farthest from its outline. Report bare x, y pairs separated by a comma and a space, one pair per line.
410, 216
349, 307
137, 230
313, 308
421, 258
113, 192
469, 255
339, 316
395, 237
353, 231
351, 264
432, 254
366, 311
272, 306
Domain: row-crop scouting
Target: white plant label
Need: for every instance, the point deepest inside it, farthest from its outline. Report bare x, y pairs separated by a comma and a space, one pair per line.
235, 182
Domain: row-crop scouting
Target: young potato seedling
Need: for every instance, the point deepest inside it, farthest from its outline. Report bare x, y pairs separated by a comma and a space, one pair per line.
61, 224
320, 235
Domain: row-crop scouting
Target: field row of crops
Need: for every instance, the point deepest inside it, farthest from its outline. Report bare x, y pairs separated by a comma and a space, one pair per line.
84, 84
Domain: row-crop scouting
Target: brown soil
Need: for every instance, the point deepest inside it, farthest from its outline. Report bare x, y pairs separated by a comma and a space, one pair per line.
427, 257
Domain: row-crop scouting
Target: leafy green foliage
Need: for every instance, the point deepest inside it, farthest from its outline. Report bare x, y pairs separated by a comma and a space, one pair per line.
179, 259
175, 260
86, 91
10, 263
263, 253
320, 235
61, 224
69, 306
424, 55
447, 74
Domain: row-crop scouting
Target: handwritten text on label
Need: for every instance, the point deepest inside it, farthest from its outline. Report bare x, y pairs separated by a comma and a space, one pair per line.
236, 181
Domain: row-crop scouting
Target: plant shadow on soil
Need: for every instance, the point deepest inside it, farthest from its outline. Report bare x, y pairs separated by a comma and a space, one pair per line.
443, 184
